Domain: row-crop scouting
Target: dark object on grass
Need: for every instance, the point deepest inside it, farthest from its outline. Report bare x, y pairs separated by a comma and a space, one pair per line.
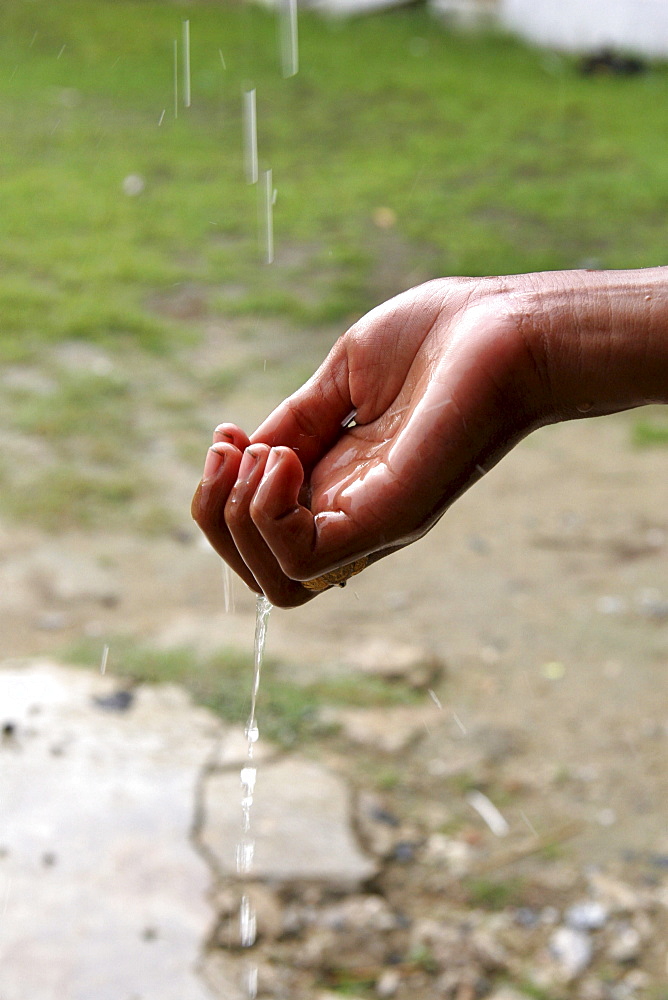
383, 816
119, 701
8, 730
607, 62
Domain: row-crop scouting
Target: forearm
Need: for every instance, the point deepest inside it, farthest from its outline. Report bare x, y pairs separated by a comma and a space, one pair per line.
599, 338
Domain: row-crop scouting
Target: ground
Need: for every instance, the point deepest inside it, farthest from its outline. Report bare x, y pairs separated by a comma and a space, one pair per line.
543, 594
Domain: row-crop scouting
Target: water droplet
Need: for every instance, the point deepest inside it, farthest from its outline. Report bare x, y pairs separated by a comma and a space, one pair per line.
247, 923
250, 135
245, 856
186, 63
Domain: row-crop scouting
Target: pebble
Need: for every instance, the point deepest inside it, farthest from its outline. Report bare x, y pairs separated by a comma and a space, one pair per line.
507, 993
572, 951
617, 896
396, 661
390, 730
388, 983
589, 915
625, 946
456, 855
359, 913
379, 828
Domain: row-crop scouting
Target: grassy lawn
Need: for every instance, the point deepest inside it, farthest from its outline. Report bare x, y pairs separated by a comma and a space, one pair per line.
290, 711
400, 151
489, 156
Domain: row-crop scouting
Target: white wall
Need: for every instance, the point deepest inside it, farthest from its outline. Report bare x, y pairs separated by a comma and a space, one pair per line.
583, 25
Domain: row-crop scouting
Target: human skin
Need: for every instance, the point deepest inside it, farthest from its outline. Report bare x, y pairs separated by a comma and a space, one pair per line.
445, 379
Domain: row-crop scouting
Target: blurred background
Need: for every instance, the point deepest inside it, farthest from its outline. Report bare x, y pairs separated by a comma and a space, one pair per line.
520, 652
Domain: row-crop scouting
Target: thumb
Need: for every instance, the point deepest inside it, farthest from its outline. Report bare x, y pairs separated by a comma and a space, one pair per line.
313, 418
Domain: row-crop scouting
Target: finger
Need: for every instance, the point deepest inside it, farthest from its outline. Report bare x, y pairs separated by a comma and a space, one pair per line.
303, 544
231, 434
260, 561
208, 506
312, 419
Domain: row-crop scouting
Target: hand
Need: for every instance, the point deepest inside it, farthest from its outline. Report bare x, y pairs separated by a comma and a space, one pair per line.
443, 384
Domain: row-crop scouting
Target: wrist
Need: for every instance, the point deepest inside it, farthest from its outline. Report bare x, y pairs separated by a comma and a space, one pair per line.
598, 340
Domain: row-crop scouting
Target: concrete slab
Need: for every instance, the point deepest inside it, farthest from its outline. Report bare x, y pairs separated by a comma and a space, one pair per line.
102, 894
300, 819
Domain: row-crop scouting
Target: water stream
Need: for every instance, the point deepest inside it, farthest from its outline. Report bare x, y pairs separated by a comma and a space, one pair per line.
246, 844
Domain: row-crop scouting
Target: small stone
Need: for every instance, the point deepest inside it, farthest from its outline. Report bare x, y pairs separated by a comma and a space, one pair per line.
572, 951
488, 951
507, 993
388, 983
396, 661
625, 946
328, 995
457, 855
526, 917
590, 915
389, 730
464, 983
362, 914
591, 988
117, 701
404, 851
8, 731
637, 979
378, 835
617, 896
319, 947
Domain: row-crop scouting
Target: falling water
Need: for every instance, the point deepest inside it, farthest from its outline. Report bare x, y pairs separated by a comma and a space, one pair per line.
186, 63
246, 846
288, 37
267, 216
250, 135
175, 68
103, 661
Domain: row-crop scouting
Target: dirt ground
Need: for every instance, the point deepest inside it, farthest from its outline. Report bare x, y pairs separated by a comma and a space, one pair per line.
544, 592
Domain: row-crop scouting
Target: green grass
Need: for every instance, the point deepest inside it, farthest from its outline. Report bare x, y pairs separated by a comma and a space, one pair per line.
491, 158
648, 433
494, 894
64, 496
221, 682
491, 163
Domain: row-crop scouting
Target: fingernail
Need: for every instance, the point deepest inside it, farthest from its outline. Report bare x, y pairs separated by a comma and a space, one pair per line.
248, 463
220, 431
213, 463
272, 461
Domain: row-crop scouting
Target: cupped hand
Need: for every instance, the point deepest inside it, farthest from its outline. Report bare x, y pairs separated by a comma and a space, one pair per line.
438, 379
